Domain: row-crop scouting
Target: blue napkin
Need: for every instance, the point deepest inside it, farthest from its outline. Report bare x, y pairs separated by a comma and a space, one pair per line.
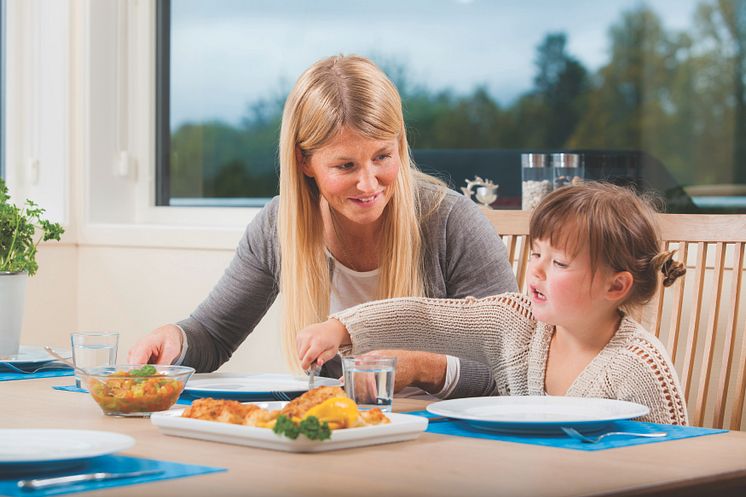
113, 464
10, 372
461, 429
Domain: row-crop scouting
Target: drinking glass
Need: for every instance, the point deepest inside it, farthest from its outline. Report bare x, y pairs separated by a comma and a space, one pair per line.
369, 381
93, 349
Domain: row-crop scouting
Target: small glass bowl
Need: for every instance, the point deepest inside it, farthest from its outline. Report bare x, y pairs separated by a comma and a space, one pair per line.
124, 390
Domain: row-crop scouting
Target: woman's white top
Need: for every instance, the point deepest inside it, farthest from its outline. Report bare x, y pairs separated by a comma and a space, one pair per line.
350, 288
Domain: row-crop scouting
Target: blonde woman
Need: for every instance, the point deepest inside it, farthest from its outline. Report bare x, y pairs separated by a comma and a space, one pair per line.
355, 221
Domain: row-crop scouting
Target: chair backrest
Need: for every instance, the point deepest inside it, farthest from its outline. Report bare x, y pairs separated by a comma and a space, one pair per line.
698, 318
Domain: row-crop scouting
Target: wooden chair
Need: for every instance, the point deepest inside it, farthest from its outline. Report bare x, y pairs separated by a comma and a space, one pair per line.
698, 319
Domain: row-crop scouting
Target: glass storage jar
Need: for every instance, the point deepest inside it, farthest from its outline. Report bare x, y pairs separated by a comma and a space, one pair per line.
568, 170
536, 179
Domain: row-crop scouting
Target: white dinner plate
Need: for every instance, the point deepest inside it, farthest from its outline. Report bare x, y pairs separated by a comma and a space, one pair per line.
537, 414
30, 355
46, 449
247, 387
402, 427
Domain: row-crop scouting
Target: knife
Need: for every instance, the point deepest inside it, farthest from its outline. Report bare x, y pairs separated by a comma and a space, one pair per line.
40, 483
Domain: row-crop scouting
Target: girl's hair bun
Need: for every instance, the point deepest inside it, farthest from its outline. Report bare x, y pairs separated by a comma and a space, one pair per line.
671, 269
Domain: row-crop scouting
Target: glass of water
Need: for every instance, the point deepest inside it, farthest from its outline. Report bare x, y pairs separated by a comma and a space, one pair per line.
369, 381
93, 349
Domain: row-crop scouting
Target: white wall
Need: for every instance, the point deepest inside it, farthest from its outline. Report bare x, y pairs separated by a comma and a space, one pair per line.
132, 290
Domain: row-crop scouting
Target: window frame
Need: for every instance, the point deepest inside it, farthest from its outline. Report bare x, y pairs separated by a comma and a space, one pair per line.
162, 102
3, 45
119, 150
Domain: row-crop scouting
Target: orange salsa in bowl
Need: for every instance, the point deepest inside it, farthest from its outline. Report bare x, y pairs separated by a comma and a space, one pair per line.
129, 390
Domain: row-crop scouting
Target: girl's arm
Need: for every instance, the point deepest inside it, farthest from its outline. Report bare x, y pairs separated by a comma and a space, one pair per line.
470, 328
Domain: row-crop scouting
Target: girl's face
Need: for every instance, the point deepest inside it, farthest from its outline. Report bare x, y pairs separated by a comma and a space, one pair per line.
355, 175
562, 290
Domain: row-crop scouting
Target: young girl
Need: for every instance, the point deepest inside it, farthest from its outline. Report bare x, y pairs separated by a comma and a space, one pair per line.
594, 255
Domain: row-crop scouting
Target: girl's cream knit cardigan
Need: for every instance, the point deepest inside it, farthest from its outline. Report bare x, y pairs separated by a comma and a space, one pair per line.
501, 332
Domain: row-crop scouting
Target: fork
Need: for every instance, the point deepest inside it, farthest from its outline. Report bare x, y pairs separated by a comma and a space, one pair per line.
573, 433
313, 372
15, 369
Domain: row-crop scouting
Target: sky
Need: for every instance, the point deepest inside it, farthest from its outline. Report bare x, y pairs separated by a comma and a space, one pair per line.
228, 53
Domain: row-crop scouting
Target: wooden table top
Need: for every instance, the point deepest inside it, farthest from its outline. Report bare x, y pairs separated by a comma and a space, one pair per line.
431, 465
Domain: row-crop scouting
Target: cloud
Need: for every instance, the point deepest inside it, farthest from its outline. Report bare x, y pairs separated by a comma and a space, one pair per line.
228, 53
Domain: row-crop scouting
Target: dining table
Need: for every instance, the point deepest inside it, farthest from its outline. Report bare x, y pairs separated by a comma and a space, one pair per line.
430, 465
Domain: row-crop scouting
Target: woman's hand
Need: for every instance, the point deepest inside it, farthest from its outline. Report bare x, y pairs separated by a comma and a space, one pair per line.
423, 370
320, 342
162, 346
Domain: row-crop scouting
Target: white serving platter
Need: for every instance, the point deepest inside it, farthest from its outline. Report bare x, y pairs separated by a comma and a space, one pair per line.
402, 427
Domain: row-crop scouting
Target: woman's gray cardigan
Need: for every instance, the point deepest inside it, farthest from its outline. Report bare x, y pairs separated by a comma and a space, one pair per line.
463, 257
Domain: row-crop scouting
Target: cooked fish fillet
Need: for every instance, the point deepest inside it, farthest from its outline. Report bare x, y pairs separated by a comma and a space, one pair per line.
338, 414
296, 408
374, 417
225, 411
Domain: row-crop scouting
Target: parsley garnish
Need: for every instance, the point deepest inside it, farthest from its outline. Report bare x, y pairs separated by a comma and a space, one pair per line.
310, 427
146, 370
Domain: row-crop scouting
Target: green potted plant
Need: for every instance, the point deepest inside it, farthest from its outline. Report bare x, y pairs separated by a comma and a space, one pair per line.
21, 230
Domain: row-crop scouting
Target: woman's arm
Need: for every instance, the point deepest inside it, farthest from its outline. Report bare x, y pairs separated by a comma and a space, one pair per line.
239, 300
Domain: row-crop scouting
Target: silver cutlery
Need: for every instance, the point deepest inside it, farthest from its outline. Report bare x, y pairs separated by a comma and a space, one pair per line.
313, 372
573, 433
65, 360
40, 483
281, 396
14, 369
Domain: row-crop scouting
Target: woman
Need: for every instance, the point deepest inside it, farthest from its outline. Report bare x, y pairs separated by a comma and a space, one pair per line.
355, 221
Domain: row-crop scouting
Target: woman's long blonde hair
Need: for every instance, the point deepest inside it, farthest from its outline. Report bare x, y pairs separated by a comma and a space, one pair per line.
337, 92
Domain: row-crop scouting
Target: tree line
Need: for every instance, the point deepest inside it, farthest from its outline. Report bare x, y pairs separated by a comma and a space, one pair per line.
678, 95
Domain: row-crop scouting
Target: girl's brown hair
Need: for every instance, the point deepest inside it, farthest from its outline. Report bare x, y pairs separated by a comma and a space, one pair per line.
619, 227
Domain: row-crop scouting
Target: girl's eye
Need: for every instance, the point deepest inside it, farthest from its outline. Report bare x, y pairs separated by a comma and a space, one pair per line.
383, 157
534, 255
346, 166
560, 264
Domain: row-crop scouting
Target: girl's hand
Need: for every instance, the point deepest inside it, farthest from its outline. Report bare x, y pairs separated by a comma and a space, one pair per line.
320, 342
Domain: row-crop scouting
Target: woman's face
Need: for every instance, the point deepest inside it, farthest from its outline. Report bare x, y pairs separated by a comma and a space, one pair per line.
355, 174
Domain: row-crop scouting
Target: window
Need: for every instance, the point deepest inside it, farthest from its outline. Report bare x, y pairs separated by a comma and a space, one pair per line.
652, 91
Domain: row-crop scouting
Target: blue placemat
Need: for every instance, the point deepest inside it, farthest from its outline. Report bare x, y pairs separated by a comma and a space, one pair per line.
459, 429
188, 398
8, 374
70, 388
185, 399
112, 463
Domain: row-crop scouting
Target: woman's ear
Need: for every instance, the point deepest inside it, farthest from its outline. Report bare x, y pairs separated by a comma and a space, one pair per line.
301, 160
619, 286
